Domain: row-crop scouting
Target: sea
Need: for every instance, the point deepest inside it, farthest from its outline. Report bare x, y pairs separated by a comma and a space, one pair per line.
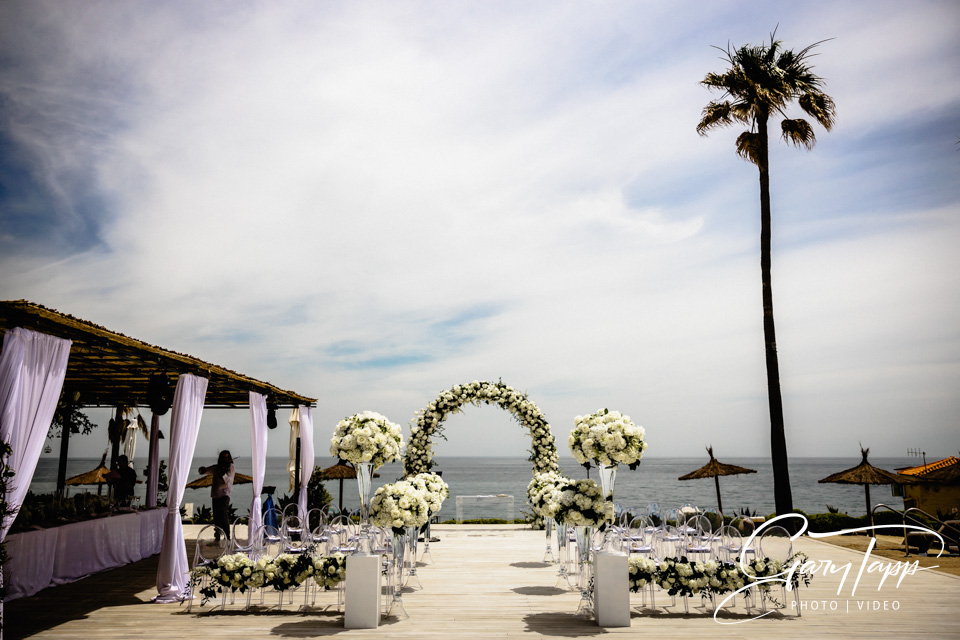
656, 480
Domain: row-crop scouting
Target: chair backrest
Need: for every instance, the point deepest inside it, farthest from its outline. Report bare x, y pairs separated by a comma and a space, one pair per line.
653, 509
744, 525
716, 520
292, 509
269, 541
315, 518
240, 533
293, 534
671, 518
273, 517
330, 510
775, 543
731, 543
212, 543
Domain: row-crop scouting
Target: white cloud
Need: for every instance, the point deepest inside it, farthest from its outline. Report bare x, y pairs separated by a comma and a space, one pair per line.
371, 203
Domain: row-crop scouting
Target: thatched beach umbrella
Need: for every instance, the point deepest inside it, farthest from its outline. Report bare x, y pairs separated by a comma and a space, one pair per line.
97, 476
341, 471
206, 480
867, 474
714, 469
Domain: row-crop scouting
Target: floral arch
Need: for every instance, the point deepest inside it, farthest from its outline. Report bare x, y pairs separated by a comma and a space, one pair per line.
429, 422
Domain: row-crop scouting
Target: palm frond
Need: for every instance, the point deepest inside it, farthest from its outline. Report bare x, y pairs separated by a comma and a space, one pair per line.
762, 81
799, 133
748, 146
715, 114
820, 107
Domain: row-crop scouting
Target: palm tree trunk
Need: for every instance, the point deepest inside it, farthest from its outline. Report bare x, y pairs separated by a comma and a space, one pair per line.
783, 498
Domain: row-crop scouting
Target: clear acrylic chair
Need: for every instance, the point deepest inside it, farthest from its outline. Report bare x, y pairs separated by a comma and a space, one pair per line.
698, 538
243, 542
292, 537
774, 543
212, 542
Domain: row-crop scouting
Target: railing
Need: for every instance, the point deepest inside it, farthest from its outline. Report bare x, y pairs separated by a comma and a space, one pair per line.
950, 532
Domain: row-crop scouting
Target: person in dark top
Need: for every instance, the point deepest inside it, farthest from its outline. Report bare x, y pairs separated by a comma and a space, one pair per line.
124, 479
220, 490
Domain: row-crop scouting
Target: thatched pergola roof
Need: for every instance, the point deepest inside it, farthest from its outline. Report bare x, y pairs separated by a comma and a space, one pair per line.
110, 369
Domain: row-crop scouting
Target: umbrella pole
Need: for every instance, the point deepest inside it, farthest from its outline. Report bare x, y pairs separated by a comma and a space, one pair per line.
866, 491
716, 480
341, 494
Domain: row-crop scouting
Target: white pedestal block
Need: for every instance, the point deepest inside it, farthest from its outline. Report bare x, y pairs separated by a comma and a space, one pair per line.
611, 596
362, 593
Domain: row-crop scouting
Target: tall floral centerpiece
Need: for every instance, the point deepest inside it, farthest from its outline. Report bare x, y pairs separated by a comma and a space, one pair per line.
608, 438
435, 491
401, 506
540, 493
580, 504
369, 441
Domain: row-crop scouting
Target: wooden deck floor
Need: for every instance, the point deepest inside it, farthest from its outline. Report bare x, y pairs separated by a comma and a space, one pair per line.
488, 582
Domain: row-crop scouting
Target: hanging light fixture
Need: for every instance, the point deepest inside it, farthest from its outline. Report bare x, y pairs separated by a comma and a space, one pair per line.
159, 394
271, 414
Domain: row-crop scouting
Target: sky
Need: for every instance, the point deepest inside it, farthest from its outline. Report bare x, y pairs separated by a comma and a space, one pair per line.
370, 202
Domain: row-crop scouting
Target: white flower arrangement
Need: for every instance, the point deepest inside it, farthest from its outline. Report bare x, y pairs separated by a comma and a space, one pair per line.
541, 490
429, 422
329, 571
579, 503
684, 578
399, 505
435, 490
367, 437
608, 438
643, 571
237, 572
759, 569
727, 578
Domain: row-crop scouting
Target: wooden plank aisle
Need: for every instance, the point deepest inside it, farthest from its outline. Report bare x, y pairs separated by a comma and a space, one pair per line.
487, 581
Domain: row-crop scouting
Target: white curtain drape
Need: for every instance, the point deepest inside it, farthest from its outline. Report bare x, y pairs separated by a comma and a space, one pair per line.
172, 575
32, 368
306, 457
258, 453
294, 434
129, 444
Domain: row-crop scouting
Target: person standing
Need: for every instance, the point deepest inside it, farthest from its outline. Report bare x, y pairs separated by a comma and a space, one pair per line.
124, 481
220, 489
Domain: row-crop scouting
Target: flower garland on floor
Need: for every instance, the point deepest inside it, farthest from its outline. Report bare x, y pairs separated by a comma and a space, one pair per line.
608, 438
643, 571
399, 505
429, 422
580, 503
237, 572
541, 493
366, 437
684, 577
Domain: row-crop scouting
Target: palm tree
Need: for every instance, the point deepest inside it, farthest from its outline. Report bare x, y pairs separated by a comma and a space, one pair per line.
761, 82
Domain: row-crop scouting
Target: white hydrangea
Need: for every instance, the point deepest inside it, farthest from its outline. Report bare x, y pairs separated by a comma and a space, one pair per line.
367, 437
608, 438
